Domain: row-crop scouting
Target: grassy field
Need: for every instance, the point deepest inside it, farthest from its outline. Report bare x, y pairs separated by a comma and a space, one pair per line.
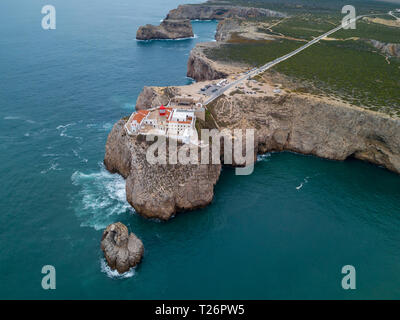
369, 30
352, 70
313, 6
346, 69
255, 53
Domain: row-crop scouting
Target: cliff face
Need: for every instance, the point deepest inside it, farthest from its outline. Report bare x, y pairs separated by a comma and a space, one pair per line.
156, 190
225, 28
315, 126
168, 29
389, 49
151, 97
289, 122
217, 12
201, 68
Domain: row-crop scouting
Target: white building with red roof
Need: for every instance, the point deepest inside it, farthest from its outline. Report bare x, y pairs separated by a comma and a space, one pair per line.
172, 122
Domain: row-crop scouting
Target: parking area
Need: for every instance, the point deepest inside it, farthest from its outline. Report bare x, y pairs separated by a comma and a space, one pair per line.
209, 89
212, 88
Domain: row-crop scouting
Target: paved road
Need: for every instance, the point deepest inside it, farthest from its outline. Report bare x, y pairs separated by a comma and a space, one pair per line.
391, 14
283, 58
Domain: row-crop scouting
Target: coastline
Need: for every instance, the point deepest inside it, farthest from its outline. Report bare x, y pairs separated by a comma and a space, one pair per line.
298, 123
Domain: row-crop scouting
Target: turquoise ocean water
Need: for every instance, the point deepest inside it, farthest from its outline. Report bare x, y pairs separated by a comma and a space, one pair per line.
283, 232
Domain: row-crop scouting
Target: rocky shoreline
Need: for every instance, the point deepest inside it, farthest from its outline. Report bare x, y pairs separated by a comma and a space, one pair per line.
158, 191
168, 29
285, 122
177, 24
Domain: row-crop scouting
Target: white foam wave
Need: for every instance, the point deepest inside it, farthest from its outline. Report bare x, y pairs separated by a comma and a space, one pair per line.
302, 183
179, 39
114, 274
54, 166
263, 157
101, 198
18, 118
64, 129
11, 118
101, 127
76, 154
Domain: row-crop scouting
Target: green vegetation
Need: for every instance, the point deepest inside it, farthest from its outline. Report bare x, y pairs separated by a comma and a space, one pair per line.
369, 30
361, 77
208, 123
255, 53
306, 26
314, 6
348, 69
237, 91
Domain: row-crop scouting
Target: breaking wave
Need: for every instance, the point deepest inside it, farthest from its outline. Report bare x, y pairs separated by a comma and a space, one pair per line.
302, 183
101, 198
179, 39
114, 274
18, 118
263, 157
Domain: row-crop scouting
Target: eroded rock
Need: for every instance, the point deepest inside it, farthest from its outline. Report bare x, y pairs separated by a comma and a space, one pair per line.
156, 190
121, 249
168, 29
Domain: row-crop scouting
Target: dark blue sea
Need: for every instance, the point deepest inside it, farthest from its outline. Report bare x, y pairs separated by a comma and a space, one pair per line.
286, 231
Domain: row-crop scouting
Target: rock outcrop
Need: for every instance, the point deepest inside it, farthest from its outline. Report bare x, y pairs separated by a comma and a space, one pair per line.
388, 49
225, 29
217, 12
151, 97
158, 191
168, 29
202, 68
121, 249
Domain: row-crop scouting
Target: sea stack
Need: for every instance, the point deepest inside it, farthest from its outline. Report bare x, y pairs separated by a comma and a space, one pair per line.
121, 249
168, 29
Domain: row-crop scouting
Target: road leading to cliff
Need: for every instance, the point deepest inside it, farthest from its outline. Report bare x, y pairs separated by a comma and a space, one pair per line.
273, 63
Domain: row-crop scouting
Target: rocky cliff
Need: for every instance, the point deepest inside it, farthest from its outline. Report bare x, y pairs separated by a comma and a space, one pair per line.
168, 29
121, 249
225, 29
291, 122
388, 49
217, 12
202, 68
158, 190
311, 125
151, 97
314, 126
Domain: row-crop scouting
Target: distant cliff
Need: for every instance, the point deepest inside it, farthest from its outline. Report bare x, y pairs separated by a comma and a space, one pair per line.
217, 12
168, 29
389, 49
177, 23
202, 68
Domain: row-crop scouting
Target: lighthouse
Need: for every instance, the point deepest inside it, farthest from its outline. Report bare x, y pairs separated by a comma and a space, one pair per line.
162, 110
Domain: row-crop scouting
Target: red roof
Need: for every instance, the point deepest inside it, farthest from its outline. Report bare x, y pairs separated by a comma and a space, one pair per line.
162, 107
140, 115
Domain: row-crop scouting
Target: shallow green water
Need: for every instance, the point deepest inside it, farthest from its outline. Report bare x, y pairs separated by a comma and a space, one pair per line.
283, 232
